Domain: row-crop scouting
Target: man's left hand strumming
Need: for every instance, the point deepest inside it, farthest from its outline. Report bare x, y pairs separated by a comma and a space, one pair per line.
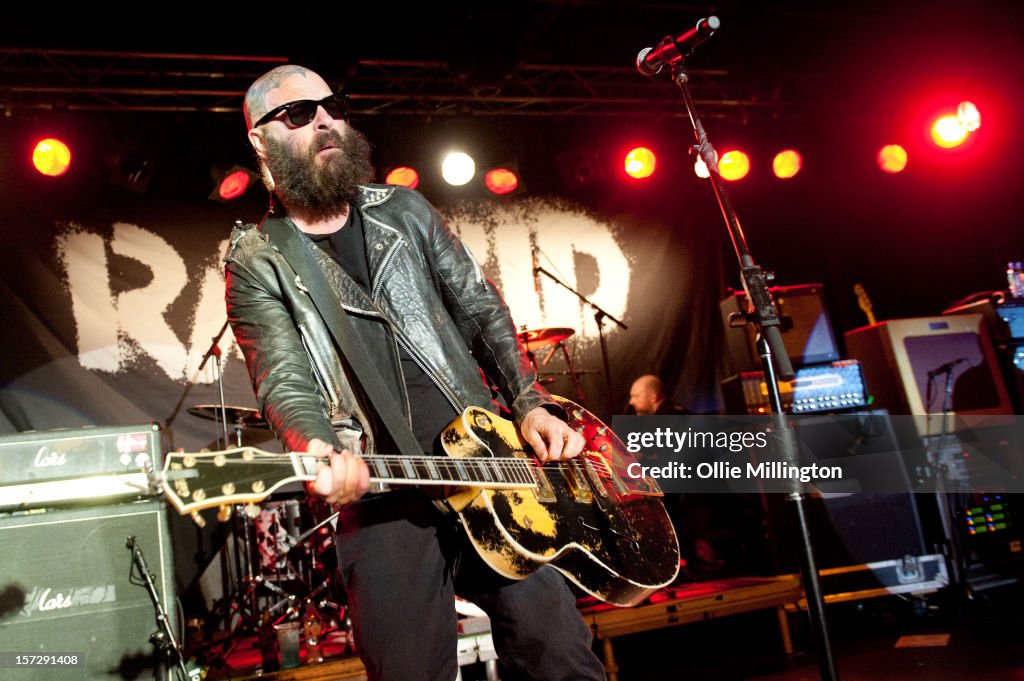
551, 437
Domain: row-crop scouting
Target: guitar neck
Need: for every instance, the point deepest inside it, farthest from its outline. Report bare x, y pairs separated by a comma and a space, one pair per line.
194, 481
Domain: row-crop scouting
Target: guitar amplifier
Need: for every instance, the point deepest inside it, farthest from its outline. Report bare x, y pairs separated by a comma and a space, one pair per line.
93, 464
837, 386
68, 589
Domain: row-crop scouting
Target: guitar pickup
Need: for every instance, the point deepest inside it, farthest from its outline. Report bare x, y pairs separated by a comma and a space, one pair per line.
577, 481
544, 492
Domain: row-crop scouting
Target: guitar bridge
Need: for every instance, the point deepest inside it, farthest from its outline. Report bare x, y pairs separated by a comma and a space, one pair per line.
595, 478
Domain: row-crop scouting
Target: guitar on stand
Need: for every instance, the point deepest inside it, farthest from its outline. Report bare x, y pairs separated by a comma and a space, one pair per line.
605, 531
865, 304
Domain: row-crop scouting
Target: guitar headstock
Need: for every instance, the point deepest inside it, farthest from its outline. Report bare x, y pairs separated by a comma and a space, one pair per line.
194, 481
864, 302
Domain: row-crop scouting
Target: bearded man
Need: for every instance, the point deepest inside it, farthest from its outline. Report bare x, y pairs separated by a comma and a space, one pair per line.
420, 308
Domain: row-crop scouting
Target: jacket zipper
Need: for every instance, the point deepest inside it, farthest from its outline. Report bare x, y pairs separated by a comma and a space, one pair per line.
388, 260
445, 390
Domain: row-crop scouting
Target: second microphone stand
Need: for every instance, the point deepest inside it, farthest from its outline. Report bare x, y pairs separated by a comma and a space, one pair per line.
599, 316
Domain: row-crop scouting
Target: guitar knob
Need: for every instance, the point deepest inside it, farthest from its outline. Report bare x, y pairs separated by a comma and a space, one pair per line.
224, 514
199, 520
252, 510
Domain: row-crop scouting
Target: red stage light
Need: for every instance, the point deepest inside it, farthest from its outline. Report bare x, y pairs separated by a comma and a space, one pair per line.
403, 176
51, 157
640, 162
787, 164
734, 165
501, 180
234, 184
892, 158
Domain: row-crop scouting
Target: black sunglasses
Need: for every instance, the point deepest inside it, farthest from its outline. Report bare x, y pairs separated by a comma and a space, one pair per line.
302, 111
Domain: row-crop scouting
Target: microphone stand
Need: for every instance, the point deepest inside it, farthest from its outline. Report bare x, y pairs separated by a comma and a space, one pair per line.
163, 639
765, 318
599, 317
214, 351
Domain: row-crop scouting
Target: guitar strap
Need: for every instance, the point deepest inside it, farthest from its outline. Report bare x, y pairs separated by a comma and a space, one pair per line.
296, 250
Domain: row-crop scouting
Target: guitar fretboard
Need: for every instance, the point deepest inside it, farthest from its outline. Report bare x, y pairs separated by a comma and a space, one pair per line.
496, 472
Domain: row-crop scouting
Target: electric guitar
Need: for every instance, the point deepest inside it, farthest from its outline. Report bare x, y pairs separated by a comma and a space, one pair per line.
604, 530
865, 304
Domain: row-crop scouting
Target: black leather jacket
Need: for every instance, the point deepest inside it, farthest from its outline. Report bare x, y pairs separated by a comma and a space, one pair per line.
427, 292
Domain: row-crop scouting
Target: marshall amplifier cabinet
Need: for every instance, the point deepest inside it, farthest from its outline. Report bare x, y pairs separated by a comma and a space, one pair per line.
61, 467
837, 386
68, 589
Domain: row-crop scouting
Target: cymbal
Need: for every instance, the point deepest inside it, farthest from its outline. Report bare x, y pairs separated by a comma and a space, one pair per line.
243, 417
539, 338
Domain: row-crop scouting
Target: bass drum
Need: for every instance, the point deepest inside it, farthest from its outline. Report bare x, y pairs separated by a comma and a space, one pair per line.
279, 527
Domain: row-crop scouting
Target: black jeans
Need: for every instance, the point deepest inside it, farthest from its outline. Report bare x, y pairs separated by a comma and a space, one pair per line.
398, 555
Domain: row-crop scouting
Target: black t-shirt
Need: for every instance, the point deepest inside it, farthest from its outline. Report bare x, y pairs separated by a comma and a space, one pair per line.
431, 411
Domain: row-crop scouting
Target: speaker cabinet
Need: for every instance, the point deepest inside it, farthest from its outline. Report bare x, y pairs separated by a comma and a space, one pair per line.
66, 588
849, 523
806, 328
907, 363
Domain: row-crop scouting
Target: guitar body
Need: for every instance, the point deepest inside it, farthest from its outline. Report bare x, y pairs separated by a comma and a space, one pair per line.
607, 533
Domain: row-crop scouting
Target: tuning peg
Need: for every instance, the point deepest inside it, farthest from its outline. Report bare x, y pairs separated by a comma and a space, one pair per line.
252, 510
199, 520
224, 514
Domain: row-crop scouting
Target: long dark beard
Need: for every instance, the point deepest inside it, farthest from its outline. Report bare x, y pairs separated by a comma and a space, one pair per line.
320, 190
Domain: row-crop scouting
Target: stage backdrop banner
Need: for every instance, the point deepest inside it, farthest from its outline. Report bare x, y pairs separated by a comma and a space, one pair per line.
110, 304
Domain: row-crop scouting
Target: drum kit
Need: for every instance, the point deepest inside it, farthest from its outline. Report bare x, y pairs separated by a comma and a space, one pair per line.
283, 552
552, 338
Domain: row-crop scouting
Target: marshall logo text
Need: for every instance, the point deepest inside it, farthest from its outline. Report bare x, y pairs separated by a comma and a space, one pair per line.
47, 600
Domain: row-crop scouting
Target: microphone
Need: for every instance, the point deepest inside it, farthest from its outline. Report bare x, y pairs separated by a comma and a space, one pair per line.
948, 366
651, 59
536, 278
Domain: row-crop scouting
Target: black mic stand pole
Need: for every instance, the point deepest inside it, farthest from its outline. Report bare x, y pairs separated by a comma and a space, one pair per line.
947, 516
163, 639
214, 351
765, 318
599, 317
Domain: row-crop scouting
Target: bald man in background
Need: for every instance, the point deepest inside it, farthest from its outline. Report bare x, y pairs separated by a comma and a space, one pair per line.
647, 397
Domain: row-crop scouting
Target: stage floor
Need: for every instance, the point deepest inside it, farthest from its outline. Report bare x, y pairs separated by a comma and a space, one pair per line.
880, 639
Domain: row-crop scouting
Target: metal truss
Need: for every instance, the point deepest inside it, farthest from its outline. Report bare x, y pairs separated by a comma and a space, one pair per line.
70, 80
